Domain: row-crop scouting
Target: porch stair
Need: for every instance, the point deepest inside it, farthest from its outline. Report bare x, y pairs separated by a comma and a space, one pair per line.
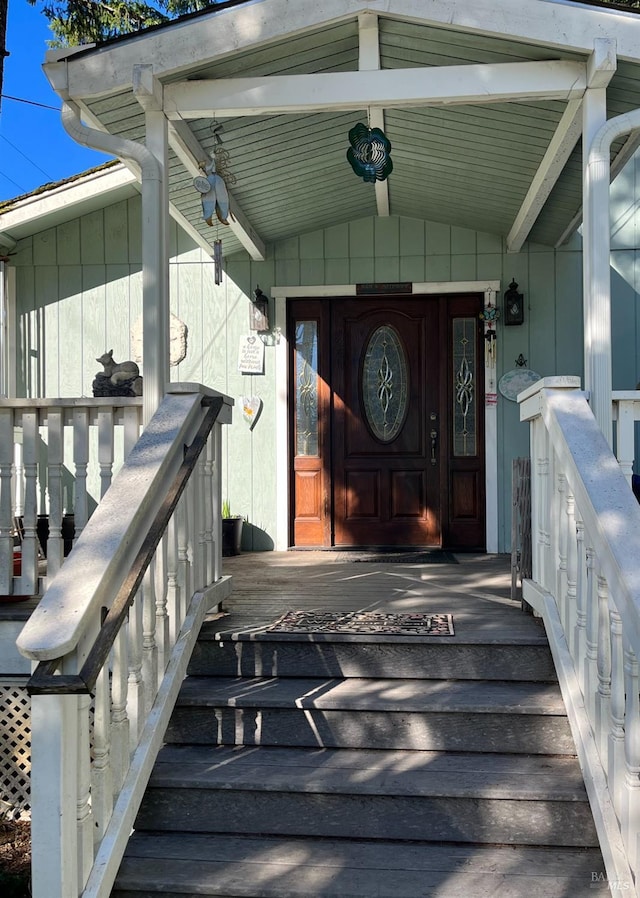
365, 767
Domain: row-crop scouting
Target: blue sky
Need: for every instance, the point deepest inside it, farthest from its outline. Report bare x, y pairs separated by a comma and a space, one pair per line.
34, 147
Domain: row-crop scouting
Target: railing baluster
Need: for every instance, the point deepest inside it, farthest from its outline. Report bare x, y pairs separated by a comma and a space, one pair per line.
615, 770
81, 462
84, 820
105, 448
162, 618
580, 638
603, 696
207, 492
197, 528
149, 645
216, 498
18, 475
131, 425
173, 579
101, 774
630, 815
572, 565
119, 718
625, 437
55, 443
6, 511
560, 542
29, 580
135, 685
183, 515
590, 684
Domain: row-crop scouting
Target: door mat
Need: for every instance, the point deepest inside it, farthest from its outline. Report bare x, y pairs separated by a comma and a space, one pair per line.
376, 557
364, 622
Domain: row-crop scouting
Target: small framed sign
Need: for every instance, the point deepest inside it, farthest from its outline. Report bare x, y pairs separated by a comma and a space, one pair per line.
251, 355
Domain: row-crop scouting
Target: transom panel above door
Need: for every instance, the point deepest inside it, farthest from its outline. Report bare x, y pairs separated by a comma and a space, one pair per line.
386, 434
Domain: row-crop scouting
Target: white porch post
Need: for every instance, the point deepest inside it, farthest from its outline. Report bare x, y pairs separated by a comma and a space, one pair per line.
595, 268
596, 241
155, 246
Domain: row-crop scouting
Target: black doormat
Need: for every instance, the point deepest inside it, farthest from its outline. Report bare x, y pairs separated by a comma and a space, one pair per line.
435, 556
364, 622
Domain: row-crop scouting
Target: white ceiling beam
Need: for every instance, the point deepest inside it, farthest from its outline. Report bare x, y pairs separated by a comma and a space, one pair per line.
400, 88
601, 68
190, 152
172, 50
368, 61
562, 144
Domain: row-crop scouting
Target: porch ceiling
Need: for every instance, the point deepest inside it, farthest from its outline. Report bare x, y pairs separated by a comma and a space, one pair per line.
468, 165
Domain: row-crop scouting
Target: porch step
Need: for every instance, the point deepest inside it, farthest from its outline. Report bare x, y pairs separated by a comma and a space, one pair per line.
270, 867
333, 767
501, 655
327, 793
429, 715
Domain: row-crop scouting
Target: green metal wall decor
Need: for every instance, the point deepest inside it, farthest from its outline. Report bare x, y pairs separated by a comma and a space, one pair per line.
369, 153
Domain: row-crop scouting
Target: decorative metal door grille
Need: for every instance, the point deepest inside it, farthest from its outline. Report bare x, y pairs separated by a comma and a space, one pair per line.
464, 387
385, 376
307, 388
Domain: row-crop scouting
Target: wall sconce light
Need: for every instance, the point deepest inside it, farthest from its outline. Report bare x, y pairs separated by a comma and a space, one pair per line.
259, 311
513, 305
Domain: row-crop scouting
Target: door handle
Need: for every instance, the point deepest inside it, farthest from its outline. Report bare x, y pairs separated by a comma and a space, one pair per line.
434, 440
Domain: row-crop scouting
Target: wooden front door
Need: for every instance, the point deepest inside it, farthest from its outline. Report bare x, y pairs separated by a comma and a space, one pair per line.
387, 436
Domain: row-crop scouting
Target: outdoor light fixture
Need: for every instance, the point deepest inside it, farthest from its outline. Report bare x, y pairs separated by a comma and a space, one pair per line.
513, 305
259, 311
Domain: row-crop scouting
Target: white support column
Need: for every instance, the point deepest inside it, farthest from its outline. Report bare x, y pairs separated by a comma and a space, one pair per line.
595, 267
155, 245
54, 727
369, 60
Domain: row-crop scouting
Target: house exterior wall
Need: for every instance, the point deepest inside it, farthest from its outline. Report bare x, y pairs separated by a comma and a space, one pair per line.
79, 290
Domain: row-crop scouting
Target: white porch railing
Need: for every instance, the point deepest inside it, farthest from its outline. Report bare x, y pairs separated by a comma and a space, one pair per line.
586, 587
625, 413
112, 636
57, 458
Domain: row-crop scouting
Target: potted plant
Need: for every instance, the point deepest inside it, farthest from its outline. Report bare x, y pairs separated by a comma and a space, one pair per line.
231, 530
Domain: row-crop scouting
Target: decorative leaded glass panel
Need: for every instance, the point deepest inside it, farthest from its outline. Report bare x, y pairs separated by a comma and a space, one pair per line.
385, 392
306, 388
464, 387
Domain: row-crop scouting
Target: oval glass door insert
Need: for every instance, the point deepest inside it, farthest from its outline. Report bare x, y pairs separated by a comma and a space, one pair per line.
384, 387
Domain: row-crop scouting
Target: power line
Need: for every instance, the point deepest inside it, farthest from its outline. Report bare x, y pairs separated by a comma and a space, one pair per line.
18, 150
29, 102
15, 184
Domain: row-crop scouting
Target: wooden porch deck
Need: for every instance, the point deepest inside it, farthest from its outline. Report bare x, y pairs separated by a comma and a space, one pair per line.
476, 590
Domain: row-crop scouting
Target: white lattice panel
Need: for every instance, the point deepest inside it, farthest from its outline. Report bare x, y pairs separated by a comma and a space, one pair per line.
15, 746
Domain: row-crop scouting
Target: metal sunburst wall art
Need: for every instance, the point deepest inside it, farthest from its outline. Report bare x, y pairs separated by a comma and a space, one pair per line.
370, 153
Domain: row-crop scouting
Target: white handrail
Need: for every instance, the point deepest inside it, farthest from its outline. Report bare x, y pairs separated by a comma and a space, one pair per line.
91, 759
586, 587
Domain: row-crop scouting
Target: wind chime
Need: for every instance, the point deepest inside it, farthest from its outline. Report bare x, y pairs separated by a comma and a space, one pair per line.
212, 185
490, 315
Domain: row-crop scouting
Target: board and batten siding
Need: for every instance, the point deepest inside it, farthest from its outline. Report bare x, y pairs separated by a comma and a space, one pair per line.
79, 290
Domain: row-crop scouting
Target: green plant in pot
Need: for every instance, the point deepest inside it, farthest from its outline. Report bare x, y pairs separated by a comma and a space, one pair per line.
231, 530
